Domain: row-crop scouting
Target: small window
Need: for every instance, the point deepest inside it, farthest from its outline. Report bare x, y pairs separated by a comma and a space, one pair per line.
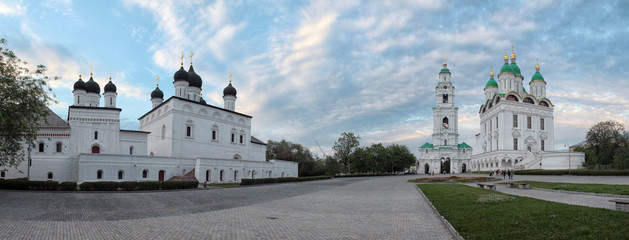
95, 149
541, 124
2, 174
515, 144
188, 131
145, 173
463, 150
242, 139
131, 150
426, 150
445, 142
99, 174
120, 174
207, 175
163, 132
445, 98
50, 175
41, 147
59, 146
491, 126
515, 121
236, 175
111, 101
78, 99
542, 146
529, 123
496, 123
214, 135
96, 135
222, 178
233, 138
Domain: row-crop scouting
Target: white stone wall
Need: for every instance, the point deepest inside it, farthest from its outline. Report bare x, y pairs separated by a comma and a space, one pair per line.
137, 140
84, 122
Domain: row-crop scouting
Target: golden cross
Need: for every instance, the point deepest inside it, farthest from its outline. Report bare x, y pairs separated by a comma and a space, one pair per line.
157, 80
181, 58
512, 49
91, 68
230, 76
191, 54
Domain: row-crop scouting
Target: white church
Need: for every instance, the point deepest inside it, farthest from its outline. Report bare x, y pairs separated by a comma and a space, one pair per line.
445, 148
517, 127
181, 137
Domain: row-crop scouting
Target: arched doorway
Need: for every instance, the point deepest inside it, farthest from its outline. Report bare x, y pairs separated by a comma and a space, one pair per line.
207, 175
95, 149
161, 175
463, 168
445, 165
427, 168
222, 175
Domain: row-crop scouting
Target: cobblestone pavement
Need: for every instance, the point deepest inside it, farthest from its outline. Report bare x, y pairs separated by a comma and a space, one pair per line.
348, 208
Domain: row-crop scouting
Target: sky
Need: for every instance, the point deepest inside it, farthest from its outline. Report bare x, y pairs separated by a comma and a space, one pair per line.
308, 71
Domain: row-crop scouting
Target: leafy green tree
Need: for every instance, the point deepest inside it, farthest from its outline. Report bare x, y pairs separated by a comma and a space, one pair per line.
331, 166
23, 105
605, 140
400, 157
288, 151
344, 147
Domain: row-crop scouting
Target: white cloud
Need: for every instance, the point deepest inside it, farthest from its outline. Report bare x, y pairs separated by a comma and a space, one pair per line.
11, 8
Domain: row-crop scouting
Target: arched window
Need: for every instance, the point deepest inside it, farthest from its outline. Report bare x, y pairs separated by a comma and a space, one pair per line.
78, 99
528, 100
2, 174
222, 175
214, 135
426, 150
131, 150
50, 175
41, 147
445, 142
99, 174
233, 138
236, 175
120, 174
253, 174
270, 174
208, 175
95, 149
464, 150
242, 139
110, 100
145, 173
96, 135
59, 147
188, 131
445, 98
445, 122
160, 176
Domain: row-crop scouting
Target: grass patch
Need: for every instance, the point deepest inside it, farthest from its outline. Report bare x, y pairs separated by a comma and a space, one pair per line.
483, 214
581, 187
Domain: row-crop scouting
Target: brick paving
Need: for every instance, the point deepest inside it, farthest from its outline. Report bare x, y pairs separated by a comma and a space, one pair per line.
348, 208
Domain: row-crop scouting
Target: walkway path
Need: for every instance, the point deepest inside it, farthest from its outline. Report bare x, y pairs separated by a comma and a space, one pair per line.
349, 208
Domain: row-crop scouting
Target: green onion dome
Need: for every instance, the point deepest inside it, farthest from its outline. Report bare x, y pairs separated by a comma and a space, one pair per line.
537, 76
516, 69
445, 67
491, 83
506, 69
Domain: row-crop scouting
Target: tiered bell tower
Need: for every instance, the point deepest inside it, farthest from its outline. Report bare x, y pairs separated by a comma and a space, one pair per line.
445, 114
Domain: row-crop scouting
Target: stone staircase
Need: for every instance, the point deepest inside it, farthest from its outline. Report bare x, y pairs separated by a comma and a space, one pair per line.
188, 177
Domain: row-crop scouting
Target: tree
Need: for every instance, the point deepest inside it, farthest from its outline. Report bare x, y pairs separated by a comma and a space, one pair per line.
284, 150
23, 105
401, 158
606, 140
344, 146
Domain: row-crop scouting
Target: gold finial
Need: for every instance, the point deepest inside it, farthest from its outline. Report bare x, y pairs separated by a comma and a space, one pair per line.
157, 81
506, 58
191, 54
491, 71
537, 65
512, 52
181, 58
91, 69
110, 77
230, 76
79, 76
444, 61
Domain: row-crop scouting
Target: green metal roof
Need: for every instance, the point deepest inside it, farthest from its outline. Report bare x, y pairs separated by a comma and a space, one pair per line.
464, 145
537, 77
491, 83
506, 68
445, 70
516, 69
427, 145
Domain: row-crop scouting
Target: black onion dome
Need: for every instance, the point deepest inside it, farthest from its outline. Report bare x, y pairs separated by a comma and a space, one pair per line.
181, 75
79, 84
110, 87
194, 78
202, 101
229, 90
92, 86
157, 93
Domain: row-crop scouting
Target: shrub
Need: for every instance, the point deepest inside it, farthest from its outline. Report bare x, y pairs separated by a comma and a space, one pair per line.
246, 181
137, 186
16, 184
582, 172
68, 186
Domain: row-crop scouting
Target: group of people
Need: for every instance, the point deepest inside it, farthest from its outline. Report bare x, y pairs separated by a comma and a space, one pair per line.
501, 173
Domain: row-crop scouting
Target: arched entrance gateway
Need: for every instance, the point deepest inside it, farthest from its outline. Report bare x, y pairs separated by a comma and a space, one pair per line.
463, 168
426, 168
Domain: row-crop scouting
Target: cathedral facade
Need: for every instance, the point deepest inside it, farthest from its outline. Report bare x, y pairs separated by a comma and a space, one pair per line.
516, 126
445, 148
181, 137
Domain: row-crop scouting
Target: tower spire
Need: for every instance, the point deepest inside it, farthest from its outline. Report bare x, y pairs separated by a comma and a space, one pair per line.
444, 61
512, 54
491, 71
537, 65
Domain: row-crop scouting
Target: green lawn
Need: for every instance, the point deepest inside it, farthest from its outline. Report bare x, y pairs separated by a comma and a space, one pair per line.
581, 187
484, 214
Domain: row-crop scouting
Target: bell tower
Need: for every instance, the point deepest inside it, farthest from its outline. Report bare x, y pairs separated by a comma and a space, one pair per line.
445, 114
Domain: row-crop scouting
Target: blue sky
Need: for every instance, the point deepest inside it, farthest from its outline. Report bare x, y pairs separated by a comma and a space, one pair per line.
310, 70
